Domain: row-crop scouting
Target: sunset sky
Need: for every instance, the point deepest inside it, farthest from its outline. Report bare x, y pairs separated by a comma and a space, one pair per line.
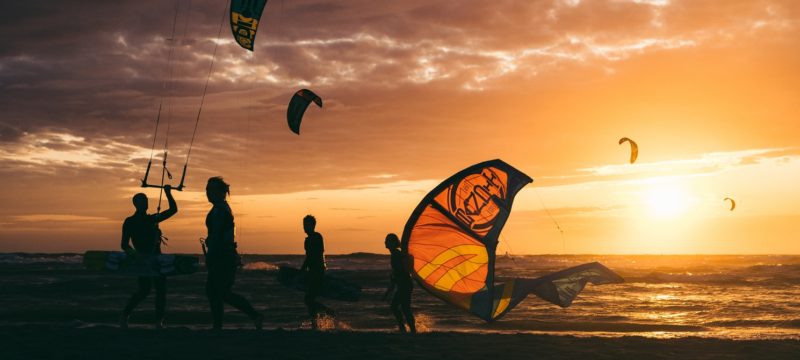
414, 91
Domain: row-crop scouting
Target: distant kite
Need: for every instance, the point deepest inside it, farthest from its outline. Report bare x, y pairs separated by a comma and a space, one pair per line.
634, 148
297, 107
733, 203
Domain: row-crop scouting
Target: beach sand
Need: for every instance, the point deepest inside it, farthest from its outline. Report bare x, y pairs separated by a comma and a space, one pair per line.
106, 342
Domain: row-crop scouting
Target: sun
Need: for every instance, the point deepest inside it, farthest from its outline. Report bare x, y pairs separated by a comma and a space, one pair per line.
666, 200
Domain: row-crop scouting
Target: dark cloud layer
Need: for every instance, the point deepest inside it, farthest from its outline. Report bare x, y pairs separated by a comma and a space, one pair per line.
411, 87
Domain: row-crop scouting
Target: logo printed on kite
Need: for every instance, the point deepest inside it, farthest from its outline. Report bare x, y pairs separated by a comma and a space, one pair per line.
244, 17
245, 29
471, 201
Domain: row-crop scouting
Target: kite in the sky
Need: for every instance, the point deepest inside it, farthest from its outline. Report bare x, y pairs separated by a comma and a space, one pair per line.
733, 203
297, 107
451, 240
245, 15
634, 148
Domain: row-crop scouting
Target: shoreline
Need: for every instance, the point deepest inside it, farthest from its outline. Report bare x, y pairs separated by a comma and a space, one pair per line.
102, 342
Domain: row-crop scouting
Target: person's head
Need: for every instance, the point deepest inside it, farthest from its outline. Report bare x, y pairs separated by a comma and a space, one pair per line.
309, 223
217, 189
392, 241
140, 202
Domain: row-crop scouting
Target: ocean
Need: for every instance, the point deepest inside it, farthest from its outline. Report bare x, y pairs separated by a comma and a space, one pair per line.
664, 296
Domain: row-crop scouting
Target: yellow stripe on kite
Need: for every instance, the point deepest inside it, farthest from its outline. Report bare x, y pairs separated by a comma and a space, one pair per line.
459, 271
508, 289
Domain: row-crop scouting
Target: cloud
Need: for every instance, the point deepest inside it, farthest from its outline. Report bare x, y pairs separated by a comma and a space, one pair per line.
58, 218
413, 90
703, 164
563, 212
48, 151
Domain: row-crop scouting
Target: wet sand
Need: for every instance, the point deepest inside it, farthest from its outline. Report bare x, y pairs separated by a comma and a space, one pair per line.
106, 342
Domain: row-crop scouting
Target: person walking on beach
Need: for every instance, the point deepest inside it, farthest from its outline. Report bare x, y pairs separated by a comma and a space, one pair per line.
142, 230
314, 263
222, 259
400, 278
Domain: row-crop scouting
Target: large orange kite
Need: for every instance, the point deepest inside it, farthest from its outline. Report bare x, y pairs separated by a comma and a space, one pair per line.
451, 237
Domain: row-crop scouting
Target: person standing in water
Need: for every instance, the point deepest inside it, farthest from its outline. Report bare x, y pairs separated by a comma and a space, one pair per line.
400, 278
314, 263
142, 230
222, 259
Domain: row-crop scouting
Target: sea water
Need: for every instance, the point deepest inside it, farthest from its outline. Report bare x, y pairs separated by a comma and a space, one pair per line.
725, 296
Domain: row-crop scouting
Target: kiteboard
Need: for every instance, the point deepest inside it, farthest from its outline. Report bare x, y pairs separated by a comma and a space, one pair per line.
332, 287
121, 263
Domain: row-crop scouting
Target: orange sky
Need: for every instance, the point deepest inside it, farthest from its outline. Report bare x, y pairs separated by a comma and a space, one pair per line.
413, 93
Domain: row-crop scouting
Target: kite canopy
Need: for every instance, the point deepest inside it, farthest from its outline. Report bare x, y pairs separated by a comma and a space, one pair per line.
733, 203
297, 107
245, 15
451, 239
634, 148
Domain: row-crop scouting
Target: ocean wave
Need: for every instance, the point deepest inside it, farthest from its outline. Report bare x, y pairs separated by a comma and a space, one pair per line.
590, 326
687, 277
739, 323
24, 258
776, 272
260, 266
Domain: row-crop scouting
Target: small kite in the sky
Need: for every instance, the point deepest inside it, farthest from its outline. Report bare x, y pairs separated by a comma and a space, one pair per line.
297, 107
733, 203
245, 15
634, 148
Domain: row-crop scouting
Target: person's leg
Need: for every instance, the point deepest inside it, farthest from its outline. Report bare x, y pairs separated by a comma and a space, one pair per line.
234, 299
398, 315
214, 298
314, 283
405, 304
161, 299
144, 289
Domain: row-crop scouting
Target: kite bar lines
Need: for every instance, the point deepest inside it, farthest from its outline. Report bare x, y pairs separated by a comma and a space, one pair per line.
167, 87
164, 170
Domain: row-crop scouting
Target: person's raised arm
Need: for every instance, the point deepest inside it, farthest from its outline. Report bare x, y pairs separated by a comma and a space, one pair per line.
173, 206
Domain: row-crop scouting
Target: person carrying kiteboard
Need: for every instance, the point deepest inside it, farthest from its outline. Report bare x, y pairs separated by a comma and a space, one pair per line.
314, 263
400, 279
222, 259
142, 230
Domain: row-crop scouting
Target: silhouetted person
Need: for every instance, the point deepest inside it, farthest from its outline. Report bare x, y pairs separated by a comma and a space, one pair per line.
222, 260
142, 230
314, 263
400, 278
